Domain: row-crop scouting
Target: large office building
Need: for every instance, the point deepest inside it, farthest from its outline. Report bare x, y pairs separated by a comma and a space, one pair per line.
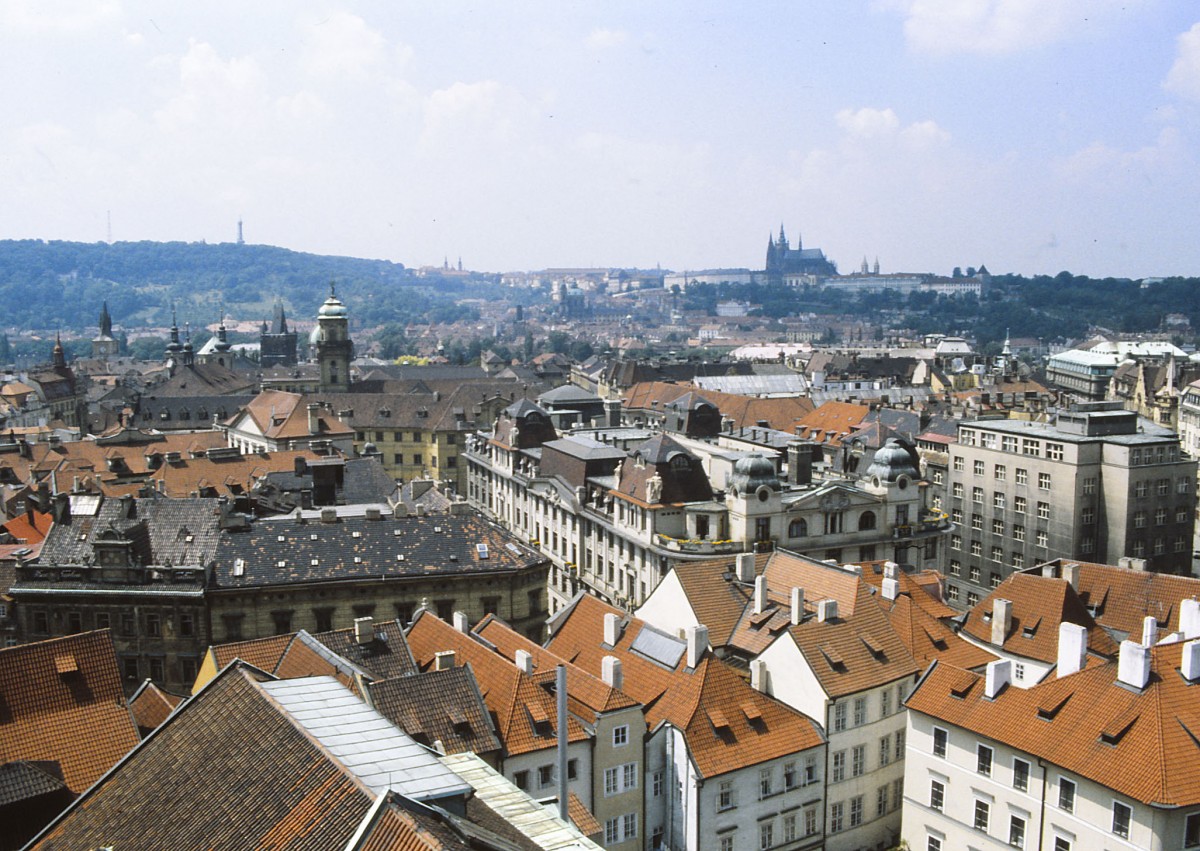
1099, 484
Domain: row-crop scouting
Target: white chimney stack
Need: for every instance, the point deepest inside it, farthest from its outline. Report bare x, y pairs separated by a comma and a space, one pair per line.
758, 675
524, 660
760, 595
745, 567
891, 588
1133, 666
697, 643
1070, 572
1149, 631
611, 673
797, 606
1072, 648
612, 629
461, 623
443, 660
364, 630
1001, 620
826, 611
890, 569
1189, 664
1189, 618
999, 674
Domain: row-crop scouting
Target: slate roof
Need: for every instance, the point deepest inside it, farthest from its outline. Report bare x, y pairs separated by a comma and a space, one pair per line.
525, 713
22, 779
61, 701
654, 457
187, 412
165, 531
282, 551
1039, 605
439, 706
1141, 744
205, 379
727, 724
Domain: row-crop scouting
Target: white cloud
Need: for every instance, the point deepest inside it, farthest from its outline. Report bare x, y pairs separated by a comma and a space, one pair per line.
944, 27
58, 17
1184, 76
602, 39
868, 122
213, 92
342, 45
473, 113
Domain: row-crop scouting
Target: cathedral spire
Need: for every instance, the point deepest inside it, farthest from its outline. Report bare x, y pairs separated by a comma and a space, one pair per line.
105, 321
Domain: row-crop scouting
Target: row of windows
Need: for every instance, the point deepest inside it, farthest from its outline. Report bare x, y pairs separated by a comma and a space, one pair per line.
842, 718
398, 437
128, 625
545, 775
844, 815
795, 776
889, 748
1010, 444
768, 837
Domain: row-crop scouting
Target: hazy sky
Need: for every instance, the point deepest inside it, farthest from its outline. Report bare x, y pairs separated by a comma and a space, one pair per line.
1028, 135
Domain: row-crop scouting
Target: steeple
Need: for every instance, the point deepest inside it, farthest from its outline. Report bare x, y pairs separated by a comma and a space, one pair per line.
59, 357
189, 353
174, 346
105, 321
222, 344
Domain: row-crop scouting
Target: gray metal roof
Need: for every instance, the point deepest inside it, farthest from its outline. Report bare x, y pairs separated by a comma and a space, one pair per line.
367, 744
659, 646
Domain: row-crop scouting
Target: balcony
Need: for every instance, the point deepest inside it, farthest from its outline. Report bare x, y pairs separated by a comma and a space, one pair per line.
931, 523
696, 546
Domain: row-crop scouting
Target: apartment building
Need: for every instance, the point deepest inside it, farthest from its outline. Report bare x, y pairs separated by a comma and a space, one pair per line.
1098, 484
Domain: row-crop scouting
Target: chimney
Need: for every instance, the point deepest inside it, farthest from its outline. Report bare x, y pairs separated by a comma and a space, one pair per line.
797, 606
799, 459
697, 643
1189, 664
612, 413
314, 418
760, 595
827, 611
1001, 620
1070, 572
1189, 618
1149, 632
891, 570
999, 675
401, 510
524, 660
364, 630
374, 513
1072, 648
1133, 666
329, 515
612, 629
745, 567
461, 623
611, 673
891, 588
1048, 570
758, 675
443, 660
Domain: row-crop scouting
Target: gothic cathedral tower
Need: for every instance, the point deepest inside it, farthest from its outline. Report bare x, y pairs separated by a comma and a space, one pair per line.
332, 344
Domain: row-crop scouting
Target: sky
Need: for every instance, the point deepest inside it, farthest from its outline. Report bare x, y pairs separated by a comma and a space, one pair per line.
1030, 136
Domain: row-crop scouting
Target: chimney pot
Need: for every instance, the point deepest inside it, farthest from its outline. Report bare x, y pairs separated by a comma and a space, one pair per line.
797, 606
1133, 665
999, 674
1072, 648
611, 672
697, 643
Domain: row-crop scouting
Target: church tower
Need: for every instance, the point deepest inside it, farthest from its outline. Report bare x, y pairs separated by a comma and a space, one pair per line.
332, 344
276, 343
103, 344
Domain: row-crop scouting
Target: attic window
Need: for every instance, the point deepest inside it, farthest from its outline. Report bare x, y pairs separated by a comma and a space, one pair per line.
66, 664
281, 563
872, 645
239, 567
718, 719
1116, 730
1048, 712
358, 559
437, 530
751, 712
313, 536
1031, 630
316, 562
399, 556
187, 539
834, 658
356, 534
961, 690
280, 538
481, 550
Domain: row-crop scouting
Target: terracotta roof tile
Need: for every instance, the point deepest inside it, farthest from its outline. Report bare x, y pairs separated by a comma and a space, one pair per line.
61, 700
151, 705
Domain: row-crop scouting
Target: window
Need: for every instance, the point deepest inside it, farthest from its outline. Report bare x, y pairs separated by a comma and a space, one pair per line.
1022, 477
766, 834
1031, 447
74, 622
958, 464
860, 711
128, 623
521, 779
837, 815
1061, 844
1191, 831
1139, 490
933, 843
885, 750
997, 556
656, 784
937, 794
856, 810
976, 548
858, 760
881, 799
546, 777
1160, 517
899, 745
725, 797
1043, 511
572, 769
129, 667
977, 496
1000, 473
103, 620
1087, 515
790, 777
1181, 514
885, 703
810, 821
1164, 487
765, 783
1139, 520
977, 522
789, 827
612, 780
897, 793
956, 542
956, 490
983, 760
1066, 794
1054, 451
621, 735
1019, 504
1089, 485
952, 591
1018, 533
629, 772
187, 623
726, 843
978, 468
798, 528
1183, 487
839, 767
1043, 539
1020, 775
866, 521
810, 770
956, 515
939, 742
1122, 816
839, 717
982, 813
1008, 443
1016, 832
998, 501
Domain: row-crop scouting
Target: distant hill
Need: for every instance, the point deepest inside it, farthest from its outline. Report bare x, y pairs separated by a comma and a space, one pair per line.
47, 285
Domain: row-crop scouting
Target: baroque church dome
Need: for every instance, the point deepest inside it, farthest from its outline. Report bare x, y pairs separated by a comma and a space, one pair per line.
893, 460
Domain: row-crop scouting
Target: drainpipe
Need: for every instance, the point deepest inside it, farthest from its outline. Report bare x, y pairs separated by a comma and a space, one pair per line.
561, 685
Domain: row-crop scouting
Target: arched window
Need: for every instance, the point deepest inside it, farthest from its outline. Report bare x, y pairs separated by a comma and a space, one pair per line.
866, 521
798, 528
